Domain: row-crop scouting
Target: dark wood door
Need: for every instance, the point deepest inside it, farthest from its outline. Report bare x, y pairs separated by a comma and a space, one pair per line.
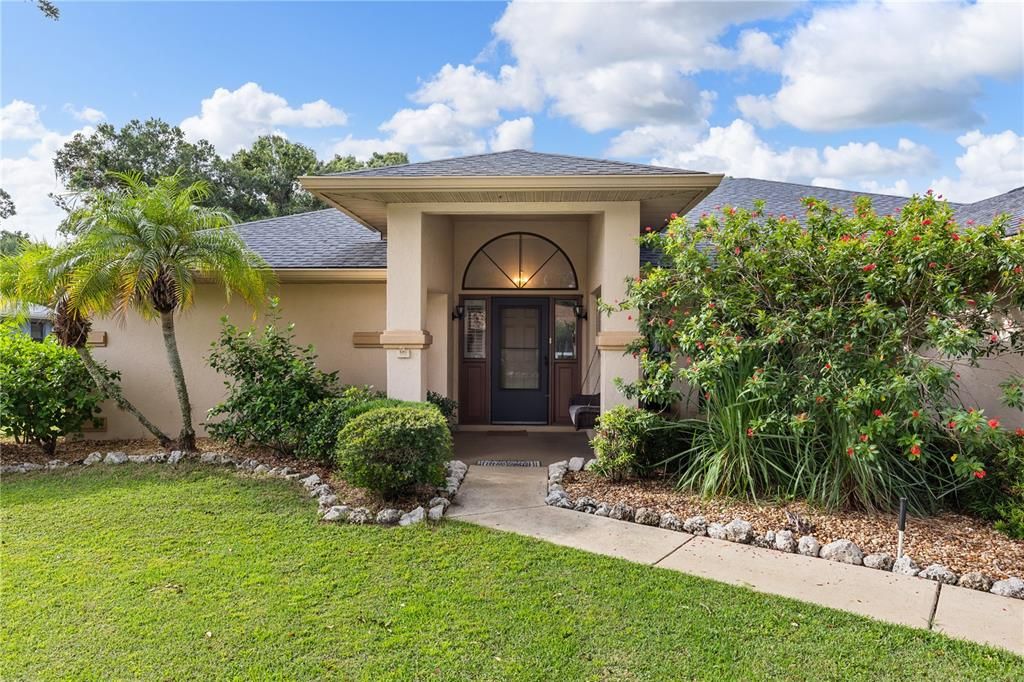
520, 363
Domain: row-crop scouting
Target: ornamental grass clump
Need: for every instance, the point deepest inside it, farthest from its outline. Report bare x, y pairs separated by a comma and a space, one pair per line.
825, 352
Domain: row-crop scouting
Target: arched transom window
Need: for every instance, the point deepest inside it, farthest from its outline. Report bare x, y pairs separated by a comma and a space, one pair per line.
519, 260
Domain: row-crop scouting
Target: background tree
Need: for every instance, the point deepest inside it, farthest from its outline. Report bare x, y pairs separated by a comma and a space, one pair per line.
258, 182
36, 276
151, 148
6, 205
143, 247
49, 10
10, 241
263, 179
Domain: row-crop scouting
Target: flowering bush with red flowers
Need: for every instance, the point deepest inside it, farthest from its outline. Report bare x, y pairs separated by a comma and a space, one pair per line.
845, 331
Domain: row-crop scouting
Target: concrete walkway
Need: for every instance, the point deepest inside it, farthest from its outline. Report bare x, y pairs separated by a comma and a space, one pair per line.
512, 499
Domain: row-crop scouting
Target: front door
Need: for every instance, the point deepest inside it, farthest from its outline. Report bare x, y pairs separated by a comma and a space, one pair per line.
519, 369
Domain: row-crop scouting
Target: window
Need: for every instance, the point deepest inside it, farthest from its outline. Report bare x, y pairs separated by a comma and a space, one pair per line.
565, 329
474, 335
519, 261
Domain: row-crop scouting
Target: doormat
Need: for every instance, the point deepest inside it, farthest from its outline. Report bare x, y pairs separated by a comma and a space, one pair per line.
508, 462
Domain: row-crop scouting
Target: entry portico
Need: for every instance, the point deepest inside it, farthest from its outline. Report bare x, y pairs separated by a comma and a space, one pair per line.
495, 264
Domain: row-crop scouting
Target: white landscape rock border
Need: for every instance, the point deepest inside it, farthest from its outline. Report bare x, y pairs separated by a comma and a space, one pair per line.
740, 531
331, 510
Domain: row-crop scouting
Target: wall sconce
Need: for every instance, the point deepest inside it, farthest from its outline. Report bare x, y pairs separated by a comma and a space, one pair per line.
579, 312
459, 312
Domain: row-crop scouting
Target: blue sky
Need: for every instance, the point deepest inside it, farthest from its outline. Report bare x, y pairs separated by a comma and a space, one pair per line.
866, 96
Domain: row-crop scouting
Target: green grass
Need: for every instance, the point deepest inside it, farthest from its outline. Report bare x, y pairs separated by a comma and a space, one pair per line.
118, 573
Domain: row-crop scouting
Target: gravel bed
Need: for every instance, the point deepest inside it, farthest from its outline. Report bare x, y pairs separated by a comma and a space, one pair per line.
960, 542
77, 450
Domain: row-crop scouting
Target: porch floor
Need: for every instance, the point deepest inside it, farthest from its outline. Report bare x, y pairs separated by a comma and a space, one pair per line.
547, 447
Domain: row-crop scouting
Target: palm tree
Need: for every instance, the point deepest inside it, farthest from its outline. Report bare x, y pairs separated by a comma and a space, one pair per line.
144, 247
34, 276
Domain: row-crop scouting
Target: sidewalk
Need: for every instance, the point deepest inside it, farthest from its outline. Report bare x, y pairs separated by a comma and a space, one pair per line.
512, 500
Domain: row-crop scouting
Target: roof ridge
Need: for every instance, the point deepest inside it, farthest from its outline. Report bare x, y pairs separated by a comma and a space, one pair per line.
860, 193
281, 217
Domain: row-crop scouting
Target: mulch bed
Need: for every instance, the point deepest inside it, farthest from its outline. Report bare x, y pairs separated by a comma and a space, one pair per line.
77, 450
961, 543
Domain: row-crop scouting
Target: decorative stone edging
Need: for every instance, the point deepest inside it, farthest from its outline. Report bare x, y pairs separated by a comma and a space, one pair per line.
330, 508
740, 531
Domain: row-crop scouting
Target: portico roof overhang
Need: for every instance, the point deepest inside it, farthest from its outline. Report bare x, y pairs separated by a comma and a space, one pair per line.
365, 199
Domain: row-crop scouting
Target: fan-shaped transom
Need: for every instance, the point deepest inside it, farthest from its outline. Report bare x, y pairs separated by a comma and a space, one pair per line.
519, 260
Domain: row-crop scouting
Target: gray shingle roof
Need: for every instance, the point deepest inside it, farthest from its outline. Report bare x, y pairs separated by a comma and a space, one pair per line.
318, 239
784, 198
984, 211
515, 162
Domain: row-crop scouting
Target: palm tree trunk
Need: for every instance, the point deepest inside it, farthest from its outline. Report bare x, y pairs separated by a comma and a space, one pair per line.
187, 437
114, 392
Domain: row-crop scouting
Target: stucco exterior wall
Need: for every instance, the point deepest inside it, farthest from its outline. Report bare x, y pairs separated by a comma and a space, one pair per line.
325, 314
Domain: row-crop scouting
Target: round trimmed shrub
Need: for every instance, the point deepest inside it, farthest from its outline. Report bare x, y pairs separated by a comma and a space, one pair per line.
391, 449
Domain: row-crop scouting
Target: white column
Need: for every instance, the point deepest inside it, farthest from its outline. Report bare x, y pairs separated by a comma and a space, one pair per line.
620, 260
405, 340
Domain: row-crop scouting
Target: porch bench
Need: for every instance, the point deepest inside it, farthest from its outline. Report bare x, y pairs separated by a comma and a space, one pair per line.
584, 409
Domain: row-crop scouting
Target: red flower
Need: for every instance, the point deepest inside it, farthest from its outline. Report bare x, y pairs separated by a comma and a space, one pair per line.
673, 216
915, 450
869, 267
736, 250
750, 433
863, 438
993, 423
955, 236
1019, 432
915, 414
979, 474
828, 365
994, 338
700, 345
711, 305
952, 424
671, 323
889, 233
933, 264
647, 229
849, 452
629, 317
916, 237
926, 221
878, 413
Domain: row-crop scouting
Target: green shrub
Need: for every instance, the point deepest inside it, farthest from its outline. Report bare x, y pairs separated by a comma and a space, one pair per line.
391, 449
825, 350
271, 384
999, 496
325, 419
631, 441
448, 406
45, 390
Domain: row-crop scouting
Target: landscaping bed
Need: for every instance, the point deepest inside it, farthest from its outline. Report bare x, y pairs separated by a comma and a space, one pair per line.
962, 543
75, 451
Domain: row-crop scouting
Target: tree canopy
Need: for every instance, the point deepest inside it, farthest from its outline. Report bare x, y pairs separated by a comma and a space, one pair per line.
253, 183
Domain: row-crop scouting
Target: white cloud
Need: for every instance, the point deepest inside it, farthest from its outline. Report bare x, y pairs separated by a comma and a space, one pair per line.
434, 131
20, 120
876, 63
899, 187
737, 150
623, 65
990, 164
476, 97
514, 134
756, 48
87, 114
30, 179
654, 139
232, 119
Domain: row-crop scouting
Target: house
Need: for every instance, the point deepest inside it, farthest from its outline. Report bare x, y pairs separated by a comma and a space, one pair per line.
475, 277
34, 320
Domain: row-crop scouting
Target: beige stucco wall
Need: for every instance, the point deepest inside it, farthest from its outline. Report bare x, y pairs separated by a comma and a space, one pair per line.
325, 314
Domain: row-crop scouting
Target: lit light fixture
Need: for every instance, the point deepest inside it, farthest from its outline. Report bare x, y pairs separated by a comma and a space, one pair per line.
459, 312
579, 311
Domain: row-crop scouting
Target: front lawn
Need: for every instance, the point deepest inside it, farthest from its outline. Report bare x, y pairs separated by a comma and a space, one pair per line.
153, 573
